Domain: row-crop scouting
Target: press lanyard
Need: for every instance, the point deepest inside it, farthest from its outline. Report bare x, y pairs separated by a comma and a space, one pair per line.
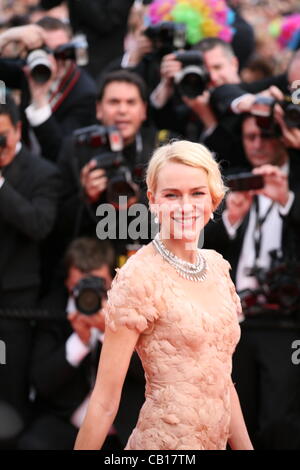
259, 221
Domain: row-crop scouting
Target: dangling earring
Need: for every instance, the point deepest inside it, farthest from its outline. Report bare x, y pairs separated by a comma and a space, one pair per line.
212, 216
156, 220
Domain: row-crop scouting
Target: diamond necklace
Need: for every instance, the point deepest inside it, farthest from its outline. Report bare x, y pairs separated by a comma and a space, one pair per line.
193, 272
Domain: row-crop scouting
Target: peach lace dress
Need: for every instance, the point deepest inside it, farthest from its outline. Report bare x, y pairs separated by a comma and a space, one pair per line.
186, 344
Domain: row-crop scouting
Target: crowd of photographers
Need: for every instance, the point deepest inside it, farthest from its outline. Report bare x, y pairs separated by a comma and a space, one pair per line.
83, 104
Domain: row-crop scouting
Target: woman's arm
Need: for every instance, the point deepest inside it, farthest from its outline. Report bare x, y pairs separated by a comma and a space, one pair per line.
114, 362
239, 438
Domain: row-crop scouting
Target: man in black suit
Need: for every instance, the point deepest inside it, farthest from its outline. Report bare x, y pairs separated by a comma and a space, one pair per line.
104, 22
29, 188
65, 359
217, 128
241, 98
256, 227
65, 102
122, 103
222, 66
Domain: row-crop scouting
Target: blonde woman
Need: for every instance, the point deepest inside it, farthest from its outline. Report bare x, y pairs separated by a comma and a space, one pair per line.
176, 304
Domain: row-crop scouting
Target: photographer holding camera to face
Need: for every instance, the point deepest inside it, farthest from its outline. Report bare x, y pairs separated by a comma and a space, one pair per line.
277, 105
259, 235
188, 79
103, 162
66, 353
57, 95
104, 24
193, 87
286, 108
210, 64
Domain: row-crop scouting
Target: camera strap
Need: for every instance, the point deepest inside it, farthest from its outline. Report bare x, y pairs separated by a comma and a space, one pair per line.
65, 86
259, 222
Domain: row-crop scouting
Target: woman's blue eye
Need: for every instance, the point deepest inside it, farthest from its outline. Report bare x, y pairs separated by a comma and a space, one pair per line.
196, 193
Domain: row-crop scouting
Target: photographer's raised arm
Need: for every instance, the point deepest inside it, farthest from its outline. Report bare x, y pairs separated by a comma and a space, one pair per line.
165, 89
238, 205
114, 362
31, 36
276, 185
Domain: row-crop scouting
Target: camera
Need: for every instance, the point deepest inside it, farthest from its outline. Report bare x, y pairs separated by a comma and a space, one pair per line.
76, 50
88, 294
263, 111
193, 79
39, 62
167, 36
245, 182
99, 136
111, 159
3, 141
278, 291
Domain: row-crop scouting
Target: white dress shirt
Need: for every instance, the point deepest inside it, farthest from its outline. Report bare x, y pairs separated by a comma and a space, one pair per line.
76, 351
271, 237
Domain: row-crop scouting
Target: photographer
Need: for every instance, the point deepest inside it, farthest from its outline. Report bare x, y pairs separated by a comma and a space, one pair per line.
258, 227
29, 188
104, 23
57, 96
283, 93
186, 94
66, 353
205, 97
290, 131
121, 104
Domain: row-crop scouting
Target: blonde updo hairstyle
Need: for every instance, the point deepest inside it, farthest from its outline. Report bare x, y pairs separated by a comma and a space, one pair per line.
191, 154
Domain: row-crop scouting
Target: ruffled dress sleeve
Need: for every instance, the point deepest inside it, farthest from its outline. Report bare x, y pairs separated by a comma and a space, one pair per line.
131, 299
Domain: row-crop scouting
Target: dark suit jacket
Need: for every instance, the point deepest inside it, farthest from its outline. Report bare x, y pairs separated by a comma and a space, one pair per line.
78, 108
61, 388
216, 236
104, 22
225, 140
222, 96
77, 215
28, 200
243, 41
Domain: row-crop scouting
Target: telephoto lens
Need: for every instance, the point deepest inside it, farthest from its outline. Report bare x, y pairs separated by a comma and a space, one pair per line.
88, 294
194, 78
39, 65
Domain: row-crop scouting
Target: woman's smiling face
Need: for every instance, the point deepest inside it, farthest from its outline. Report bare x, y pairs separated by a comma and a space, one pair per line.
182, 201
